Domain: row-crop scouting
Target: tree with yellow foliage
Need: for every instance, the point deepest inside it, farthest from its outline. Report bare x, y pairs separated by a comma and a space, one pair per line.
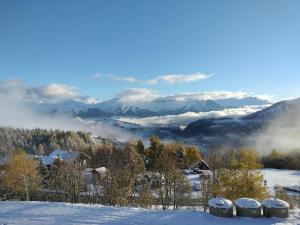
21, 178
242, 177
191, 155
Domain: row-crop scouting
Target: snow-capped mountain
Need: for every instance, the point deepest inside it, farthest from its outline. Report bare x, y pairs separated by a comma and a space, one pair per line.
119, 108
63, 107
173, 106
161, 106
236, 130
241, 102
276, 110
246, 123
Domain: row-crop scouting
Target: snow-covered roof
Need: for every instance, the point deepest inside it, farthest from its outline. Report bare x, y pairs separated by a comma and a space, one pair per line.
65, 155
101, 170
220, 202
48, 160
59, 154
247, 203
201, 164
275, 203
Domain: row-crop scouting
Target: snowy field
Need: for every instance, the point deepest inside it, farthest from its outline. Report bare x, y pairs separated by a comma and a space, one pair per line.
281, 177
62, 213
39, 213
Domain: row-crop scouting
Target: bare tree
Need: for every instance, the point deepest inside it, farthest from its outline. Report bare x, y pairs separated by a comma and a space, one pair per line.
206, 190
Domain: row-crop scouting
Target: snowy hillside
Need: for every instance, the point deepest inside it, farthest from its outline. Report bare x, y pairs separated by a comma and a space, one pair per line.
32, 213
276, 110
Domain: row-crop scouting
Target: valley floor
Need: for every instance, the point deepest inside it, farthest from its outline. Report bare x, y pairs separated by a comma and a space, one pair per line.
62, 213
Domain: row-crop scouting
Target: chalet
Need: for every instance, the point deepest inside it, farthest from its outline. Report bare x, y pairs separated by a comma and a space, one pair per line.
93, 175
199, 165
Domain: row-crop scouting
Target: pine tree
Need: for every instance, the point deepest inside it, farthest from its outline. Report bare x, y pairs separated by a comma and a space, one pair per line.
154, 151
140, 147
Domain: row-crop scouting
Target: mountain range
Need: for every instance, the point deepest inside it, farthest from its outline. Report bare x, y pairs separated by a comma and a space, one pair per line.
204, 122
170, 105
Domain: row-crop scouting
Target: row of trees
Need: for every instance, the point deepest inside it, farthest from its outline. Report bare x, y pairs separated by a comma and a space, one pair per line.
145, 176
280, 160
135, 176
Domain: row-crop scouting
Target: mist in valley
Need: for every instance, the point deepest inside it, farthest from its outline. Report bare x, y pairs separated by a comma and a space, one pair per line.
17, 101
281, 134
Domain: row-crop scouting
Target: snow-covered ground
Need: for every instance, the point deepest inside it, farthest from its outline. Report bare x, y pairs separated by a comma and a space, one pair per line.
195, 183
62, 213
281, 178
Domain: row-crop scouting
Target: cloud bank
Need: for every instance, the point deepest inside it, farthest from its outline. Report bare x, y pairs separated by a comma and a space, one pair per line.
18, 90
146, 95
15, 109
186, 118
282, 133
178, 78
208, 95
136, 95
17, 100
57, 92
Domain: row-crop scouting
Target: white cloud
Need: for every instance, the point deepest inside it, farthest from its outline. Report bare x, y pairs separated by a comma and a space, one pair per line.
137, 95
52, 93
91, 101
57, 92
178, 78
114, 77
128, 79
17, 90
209, 95
16, 110
147, 95
168, 78
186, 118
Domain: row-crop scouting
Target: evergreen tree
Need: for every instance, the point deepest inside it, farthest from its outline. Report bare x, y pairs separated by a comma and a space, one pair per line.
154, 151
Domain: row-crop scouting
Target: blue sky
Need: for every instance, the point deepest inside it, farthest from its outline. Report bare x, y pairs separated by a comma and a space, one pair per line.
104, 47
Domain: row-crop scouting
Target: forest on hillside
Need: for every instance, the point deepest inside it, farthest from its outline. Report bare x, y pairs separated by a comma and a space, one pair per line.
41, 141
